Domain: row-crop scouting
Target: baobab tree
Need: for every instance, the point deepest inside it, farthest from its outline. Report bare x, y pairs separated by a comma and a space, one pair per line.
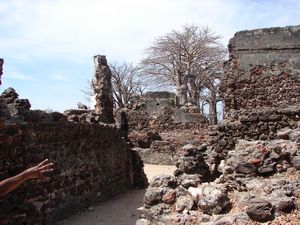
186, 59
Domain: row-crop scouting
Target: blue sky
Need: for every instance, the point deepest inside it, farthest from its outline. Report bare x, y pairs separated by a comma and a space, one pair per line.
48, 45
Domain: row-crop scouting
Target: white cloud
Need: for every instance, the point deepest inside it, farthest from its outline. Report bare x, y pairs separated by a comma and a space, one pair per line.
58, 77
37, 34
2, 7
18, 76
77, 29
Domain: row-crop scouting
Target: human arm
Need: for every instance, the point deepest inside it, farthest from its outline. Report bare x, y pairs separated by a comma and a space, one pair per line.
34, 172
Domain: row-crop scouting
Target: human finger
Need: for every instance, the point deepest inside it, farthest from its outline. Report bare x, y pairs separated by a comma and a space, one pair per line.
46, 171
49, 165
43, 162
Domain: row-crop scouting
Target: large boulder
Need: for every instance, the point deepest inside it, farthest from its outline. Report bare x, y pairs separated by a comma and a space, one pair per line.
210, 199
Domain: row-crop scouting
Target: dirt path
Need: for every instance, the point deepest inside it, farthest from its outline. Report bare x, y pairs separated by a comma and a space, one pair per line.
122, 210
154, 170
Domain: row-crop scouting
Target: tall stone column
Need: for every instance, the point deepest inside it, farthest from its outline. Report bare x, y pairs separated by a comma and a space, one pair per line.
1, 71
103, 89
2, 108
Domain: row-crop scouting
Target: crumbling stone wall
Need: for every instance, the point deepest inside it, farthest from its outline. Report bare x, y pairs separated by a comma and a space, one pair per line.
155, 114
261, 87
103, 90
92, 162
263, 69
253, 156
158, 110
260, 133
263, 124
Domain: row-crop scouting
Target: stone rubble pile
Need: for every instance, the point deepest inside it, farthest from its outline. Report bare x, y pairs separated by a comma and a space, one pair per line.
260, 181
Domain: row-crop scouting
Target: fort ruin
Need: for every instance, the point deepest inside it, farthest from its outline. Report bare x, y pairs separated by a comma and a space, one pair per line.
251, 160
263, 69
241, 173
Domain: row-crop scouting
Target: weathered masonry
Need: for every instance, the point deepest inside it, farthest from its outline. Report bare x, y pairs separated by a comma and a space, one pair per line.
103, 90
242, 173
1, 69
263, 69
92, 161
261, 87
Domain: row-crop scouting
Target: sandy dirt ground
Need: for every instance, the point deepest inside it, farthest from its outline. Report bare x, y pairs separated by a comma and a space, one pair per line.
155, 170
121, 210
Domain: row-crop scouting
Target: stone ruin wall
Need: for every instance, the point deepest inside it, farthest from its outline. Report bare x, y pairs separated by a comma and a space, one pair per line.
263, 69
259, 137
259, 125
261, 87
153, 122
158, 111
92, 162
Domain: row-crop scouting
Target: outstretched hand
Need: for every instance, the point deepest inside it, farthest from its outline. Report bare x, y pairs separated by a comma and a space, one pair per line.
35, 172
38, 171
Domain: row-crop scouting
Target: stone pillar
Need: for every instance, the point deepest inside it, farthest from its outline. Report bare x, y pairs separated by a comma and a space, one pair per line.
103, 90
2, 114
1, 69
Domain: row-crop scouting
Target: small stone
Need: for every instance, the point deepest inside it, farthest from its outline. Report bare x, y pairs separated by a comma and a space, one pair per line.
153, 196
245, 168
263, 137
163, 181
181, 191
226, 220
253, 118
222, 143
188, 150
284, 133
266, 170
260, 210
280, 168
255, 161
91, 209
184, 202
295, 136
169, 197
189, 180
286, 206
288, 190
296, 162
206, 218
142, 222
274, 156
